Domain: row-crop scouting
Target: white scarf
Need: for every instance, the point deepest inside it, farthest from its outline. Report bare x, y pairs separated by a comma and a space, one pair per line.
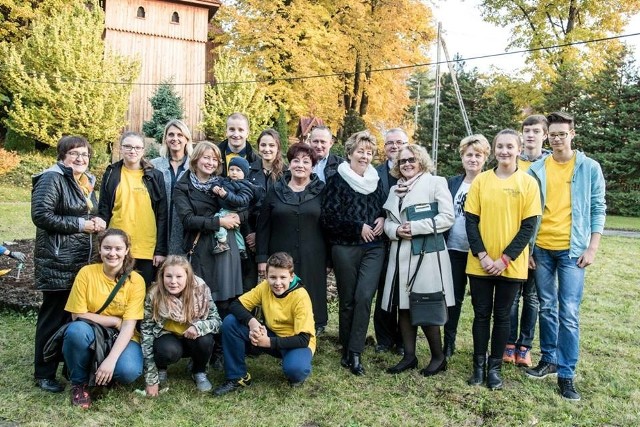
366, 184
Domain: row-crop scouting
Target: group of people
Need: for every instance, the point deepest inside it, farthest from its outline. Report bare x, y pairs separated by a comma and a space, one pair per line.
219, 250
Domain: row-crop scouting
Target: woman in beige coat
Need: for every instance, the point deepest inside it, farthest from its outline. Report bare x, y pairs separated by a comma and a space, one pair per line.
416, 186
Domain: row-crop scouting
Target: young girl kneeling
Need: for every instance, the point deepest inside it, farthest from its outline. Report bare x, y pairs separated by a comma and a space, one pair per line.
180, 319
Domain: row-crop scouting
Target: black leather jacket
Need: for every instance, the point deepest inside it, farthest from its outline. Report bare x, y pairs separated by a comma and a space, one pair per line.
58, 210
154, 181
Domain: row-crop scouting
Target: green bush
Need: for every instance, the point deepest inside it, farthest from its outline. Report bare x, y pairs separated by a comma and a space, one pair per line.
16, 142
30, 164
624, 203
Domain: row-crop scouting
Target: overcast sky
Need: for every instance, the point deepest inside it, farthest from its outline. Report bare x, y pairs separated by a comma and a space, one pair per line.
466, 33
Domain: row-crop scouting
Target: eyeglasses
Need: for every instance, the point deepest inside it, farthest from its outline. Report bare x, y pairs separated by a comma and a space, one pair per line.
398, 143
132, 148
76, 154
561, 135
407, 160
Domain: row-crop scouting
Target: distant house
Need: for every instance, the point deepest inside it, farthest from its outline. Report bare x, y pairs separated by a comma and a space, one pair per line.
170, 39
306, 125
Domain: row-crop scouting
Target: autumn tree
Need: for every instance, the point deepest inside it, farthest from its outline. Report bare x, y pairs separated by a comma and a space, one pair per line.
60, 79
234, 90
539, 23
167, 105
344, 42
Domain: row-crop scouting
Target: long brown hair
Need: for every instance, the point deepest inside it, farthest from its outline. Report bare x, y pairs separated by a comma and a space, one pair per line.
160, 295
129, 262
277, 167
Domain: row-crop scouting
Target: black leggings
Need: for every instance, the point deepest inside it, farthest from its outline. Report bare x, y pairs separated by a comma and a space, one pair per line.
170, 348
492, 295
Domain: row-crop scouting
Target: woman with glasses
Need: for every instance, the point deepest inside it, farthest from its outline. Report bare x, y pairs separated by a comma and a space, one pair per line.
133, 199
173, 162
63, 205
474, 151
428, 272
353, 217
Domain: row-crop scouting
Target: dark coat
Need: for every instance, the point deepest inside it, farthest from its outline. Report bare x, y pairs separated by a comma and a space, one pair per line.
196, 210
250, 155
331, 168
345, 211
290, 222
387, 179
154, 181
58, 210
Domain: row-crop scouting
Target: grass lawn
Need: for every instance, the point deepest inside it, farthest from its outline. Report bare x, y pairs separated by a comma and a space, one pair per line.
608, 378
622, 223
15, 214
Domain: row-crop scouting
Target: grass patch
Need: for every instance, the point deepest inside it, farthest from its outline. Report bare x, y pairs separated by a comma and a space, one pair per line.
16, 221
608, 378
614, 222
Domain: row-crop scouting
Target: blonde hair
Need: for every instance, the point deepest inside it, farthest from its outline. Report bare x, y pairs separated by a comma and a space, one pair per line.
421, 155
357, 139
478, 142
199, 151
188, 149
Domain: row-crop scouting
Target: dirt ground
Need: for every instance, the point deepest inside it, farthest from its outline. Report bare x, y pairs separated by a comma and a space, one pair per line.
19, 293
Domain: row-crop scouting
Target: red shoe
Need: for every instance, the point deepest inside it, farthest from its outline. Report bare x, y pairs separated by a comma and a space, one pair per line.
523, 357
509, 355
80, 396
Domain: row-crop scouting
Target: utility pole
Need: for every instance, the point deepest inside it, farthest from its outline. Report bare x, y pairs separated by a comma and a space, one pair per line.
415, 114
436, 108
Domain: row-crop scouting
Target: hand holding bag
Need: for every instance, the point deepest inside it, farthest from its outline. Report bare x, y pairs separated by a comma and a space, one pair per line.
428, 309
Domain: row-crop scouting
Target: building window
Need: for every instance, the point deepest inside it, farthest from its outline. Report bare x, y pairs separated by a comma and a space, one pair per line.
175, 18
141, 13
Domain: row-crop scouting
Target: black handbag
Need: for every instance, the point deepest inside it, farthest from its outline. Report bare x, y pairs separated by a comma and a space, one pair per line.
428, 309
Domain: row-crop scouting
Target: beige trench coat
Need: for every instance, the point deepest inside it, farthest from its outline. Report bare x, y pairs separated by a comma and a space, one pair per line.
427, 189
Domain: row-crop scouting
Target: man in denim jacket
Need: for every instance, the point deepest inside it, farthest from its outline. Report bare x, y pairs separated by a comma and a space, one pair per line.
572, 191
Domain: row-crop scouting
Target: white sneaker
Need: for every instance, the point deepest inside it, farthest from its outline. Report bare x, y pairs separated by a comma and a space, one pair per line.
202, 382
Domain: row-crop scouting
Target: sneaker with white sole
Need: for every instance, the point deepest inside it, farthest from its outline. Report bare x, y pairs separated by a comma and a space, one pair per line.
202, 382
567, 389
543, 370
233, 385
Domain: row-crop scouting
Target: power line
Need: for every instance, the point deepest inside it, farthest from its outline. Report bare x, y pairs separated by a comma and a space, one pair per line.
351, 73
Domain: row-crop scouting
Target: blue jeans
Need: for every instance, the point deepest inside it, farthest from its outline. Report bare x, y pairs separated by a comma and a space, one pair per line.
529, 313
296, 362
559, 308
77, 355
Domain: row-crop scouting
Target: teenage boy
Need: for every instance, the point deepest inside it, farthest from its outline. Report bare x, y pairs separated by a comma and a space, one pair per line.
518, 350
572, 192
321, 140
236, 144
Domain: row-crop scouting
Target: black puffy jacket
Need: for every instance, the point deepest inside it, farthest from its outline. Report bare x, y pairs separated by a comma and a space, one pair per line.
58, 210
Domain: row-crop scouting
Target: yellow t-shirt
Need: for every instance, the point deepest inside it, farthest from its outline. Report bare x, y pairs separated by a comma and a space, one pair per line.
92, 287
230, 156
286, 316
555, 228
176, 328
524, 165
133, 213
502, 204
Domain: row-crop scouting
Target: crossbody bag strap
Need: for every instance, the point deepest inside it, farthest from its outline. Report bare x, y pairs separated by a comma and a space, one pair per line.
435, 232
415, 273
113, 293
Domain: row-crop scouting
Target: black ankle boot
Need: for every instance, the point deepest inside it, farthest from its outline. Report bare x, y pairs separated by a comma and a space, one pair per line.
494, 369
344, 360
355, 363
449, 349
479, 366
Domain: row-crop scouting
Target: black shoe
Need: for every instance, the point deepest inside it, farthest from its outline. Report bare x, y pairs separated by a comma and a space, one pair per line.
449, 349
320, 330
403, 365
400, 350
429, 373
494, 370
344, 360
355, 364
50, 385
567, 389
233, 385
383, 348
543, 370
220, 247
243, 255
479, 370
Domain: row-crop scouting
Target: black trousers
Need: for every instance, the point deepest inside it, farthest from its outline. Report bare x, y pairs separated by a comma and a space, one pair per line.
51, 316
169, 349
357, 270
147, 270
492, 295
458, 267
385, 323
